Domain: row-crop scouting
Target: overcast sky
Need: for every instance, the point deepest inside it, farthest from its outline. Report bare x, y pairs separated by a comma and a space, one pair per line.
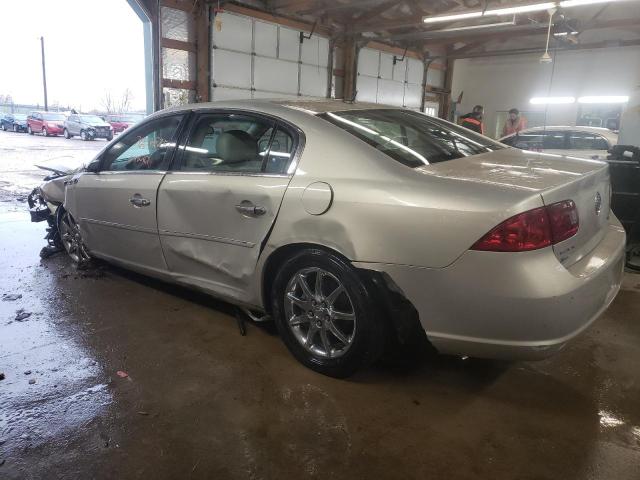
91, 46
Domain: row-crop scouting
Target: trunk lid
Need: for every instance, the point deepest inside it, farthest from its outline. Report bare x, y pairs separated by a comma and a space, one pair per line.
554, 177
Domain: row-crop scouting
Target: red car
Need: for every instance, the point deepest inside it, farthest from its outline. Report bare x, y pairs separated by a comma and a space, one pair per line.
121, 122
46, 123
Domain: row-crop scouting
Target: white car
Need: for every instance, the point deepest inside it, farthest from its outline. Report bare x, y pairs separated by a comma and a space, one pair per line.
583, 142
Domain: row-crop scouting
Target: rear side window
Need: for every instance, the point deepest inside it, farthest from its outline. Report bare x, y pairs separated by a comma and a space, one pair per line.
529, 141
554, 140
587, 141
411, 138
231, 142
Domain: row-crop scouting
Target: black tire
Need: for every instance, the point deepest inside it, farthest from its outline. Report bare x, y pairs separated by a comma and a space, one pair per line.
83, 136
16, 129
44, 132
29, 130
367, 339
4, 127
109, 138
66, 134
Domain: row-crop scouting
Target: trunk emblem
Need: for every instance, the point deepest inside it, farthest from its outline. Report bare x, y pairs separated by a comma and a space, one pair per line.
598, 203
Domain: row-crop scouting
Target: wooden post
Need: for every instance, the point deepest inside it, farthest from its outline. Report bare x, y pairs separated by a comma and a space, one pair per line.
447, 114
350, 68
203, 52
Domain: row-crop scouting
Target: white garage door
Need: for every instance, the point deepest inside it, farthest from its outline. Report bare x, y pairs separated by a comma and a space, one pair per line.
380, 81
256, 59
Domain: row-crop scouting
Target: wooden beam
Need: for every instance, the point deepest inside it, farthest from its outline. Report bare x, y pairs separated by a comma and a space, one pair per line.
203, 52
185, 5
376, 11
293, 5
186, 84
178, 45
335, 6
393, 50
407, 22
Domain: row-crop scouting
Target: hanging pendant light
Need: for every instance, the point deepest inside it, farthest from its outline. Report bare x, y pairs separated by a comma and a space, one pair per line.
546, 58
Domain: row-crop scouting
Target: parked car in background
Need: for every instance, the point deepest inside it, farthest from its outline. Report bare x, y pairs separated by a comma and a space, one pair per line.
46, 123
16, 122
352, 224
87, 127
583, 142
123, 121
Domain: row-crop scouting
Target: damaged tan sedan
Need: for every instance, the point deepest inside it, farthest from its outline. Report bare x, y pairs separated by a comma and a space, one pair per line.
351, 225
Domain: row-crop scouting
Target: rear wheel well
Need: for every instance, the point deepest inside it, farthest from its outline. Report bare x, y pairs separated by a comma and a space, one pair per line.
399, 314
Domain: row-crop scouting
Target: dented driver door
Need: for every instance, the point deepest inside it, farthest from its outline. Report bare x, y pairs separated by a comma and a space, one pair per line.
217, 205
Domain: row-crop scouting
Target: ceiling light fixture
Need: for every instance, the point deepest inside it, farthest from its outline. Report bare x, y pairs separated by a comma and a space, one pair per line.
474, 27
604, 99
552, 100
535, 7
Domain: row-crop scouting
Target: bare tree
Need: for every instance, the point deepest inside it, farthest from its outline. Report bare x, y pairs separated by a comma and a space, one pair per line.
125, 101
107, 102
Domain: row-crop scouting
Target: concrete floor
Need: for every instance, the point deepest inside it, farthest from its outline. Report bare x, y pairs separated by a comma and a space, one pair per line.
201, 401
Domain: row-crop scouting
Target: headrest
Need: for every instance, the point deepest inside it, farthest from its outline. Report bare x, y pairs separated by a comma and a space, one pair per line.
236, 146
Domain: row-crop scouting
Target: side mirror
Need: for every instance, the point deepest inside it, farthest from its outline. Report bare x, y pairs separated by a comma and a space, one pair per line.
93, 167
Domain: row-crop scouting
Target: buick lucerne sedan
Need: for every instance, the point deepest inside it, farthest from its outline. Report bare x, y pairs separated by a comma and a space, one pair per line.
351, 225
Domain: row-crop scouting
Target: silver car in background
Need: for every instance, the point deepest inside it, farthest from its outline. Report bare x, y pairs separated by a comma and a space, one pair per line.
351, 225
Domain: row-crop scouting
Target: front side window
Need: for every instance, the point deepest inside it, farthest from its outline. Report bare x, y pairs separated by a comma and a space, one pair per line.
529, 141
230, 142
411, 138
587, 141
149, 147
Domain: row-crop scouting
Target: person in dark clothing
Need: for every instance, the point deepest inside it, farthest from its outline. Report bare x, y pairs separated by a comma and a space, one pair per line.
473, 120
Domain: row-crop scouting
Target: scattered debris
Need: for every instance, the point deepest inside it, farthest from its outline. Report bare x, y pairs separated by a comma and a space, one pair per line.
27, 372
48, 251
10, 297
2, 377
122, 374
416, 402
143, 413
241, 322
2, 462
21, 315
32, 381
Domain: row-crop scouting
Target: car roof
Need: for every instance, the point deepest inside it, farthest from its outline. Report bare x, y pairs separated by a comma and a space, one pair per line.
311, 106
564, 128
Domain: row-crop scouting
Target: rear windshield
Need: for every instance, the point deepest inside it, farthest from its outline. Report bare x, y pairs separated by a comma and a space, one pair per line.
53, 116
411, 138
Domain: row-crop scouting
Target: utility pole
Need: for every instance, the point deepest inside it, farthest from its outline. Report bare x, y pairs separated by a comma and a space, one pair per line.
44, 76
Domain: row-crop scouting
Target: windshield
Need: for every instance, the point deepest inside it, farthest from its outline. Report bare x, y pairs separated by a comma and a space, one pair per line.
411, 138
53, 116
20, 116
91, 119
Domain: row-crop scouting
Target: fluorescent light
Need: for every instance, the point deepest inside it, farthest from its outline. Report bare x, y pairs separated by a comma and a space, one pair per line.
473, 27
564, 34
604, 99
551, 100
578, 3
535, 7
457, 16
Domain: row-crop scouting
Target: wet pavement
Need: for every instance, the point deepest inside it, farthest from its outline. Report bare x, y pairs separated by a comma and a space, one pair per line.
200, 401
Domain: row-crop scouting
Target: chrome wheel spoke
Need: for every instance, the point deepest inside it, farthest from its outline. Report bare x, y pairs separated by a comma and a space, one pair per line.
310, 334
299, 320
303, 285
303, 304
343, 316
318, 285
331, 298
338, 334
326, 345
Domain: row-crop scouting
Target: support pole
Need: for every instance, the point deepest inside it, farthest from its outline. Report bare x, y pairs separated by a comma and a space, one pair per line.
44, 76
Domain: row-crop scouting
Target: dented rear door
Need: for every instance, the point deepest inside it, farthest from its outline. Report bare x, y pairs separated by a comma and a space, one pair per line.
212, 222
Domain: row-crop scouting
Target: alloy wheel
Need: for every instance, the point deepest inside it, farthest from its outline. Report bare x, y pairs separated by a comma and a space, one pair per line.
15, 128
320, 313
72, 239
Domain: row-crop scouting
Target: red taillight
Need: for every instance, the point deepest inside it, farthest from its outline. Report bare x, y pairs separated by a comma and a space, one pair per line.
533, 229
563, 217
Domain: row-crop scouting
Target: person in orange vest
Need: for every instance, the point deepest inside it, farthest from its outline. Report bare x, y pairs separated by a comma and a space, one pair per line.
473, 120
514, 123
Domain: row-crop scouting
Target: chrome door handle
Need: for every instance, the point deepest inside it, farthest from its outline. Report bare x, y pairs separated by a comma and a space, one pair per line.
138, 201
249, 208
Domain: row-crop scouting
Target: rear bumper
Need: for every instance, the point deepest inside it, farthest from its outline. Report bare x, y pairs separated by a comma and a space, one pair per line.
513, 306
